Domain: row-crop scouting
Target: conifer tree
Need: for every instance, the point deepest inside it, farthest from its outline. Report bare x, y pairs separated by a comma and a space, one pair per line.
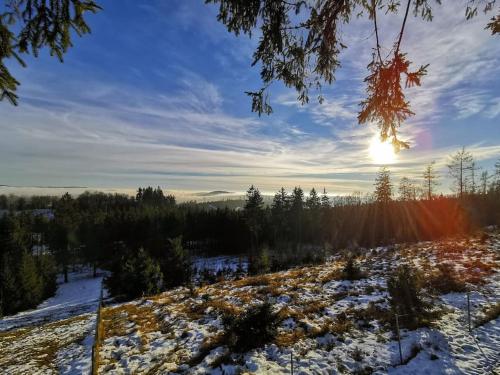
296, 211
10, 293
300, 44
134, 274
176, 265
407, 189
383, 186
253, 213
313, 201
30, 281
29, 26
325, 200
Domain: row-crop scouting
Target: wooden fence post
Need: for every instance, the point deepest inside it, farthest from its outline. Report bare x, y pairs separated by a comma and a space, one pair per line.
468, 311
399, 340
97, 338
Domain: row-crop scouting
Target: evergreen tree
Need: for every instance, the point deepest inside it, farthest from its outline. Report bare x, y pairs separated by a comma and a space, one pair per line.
279, 212
253, 213
254, 200
133, 275
313, 202
48, 273
10, 293
30, 281
176, 265
296, 212
28, 26
407, 189
383, 186
300, 44
325, 200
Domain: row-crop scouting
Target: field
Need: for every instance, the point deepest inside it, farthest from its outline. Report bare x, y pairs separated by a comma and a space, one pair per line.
326, 324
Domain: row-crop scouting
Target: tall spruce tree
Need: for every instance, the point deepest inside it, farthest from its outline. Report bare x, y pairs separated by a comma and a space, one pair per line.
253, 213
313, 201
325, 200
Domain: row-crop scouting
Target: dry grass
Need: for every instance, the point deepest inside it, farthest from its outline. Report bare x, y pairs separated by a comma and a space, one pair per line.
38, 346
286, 339
490, 313
287, 312
252, 281
117, 321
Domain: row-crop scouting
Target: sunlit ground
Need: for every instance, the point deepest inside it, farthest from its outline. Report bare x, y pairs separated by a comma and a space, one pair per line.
382, 152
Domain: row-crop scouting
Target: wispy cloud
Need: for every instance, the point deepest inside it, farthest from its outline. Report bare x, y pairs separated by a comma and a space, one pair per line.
192, 129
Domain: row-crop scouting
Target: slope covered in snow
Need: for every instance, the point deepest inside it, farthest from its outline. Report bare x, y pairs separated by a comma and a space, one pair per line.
327, 325
58, 335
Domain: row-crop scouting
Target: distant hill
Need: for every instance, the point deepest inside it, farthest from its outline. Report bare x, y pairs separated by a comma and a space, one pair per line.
212, 193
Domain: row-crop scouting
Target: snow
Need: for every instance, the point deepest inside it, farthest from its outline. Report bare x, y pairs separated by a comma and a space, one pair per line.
224, 263
80, 295
182, 329
58, 335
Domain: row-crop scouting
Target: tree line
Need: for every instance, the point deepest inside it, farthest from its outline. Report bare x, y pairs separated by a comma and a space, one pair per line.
150, 237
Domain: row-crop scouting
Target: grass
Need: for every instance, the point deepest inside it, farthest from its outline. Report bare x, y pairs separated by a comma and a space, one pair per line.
116, 321
489, 313
38, 346
286, 339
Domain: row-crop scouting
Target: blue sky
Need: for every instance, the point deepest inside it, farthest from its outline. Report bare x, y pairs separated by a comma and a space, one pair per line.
155, 96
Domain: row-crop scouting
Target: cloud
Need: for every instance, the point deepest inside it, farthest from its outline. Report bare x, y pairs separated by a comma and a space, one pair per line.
191, 133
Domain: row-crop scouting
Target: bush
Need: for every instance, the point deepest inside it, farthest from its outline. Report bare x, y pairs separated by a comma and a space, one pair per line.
489, 313
352, 271
405, 291
252, 329
284, 259
135, 275
446, 280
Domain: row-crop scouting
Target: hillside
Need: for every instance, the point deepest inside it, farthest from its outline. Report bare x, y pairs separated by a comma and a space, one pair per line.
328, 324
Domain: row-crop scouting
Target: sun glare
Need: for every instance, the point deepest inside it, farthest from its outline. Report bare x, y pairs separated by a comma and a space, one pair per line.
382, 152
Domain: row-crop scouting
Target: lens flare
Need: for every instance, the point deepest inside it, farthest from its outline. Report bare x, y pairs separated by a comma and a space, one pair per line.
382, 152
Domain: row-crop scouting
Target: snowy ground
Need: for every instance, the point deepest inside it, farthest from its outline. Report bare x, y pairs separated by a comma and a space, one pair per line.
219, 264
329, 325
57, 336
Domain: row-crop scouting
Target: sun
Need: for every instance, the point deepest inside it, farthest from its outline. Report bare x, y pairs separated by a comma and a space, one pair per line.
382, 152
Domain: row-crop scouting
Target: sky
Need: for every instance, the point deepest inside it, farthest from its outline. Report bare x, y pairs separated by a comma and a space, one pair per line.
156, 96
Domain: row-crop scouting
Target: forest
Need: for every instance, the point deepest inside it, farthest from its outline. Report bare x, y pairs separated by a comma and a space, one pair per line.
147, 241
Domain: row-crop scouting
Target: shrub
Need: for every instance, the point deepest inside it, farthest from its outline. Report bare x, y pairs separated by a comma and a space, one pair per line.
490, 313
446, 280
352, 271
405, 290
254, 328
284, 259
